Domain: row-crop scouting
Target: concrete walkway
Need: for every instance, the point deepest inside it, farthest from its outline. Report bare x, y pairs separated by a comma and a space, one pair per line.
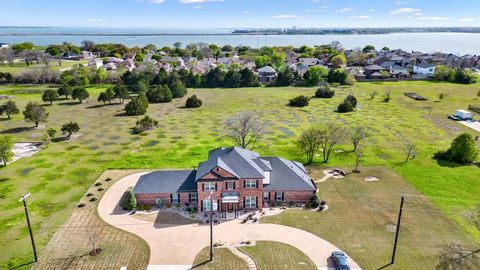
250, 262
178, 245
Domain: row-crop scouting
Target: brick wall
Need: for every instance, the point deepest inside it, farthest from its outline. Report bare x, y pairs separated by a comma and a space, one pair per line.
149, 198
299, 196
221, 186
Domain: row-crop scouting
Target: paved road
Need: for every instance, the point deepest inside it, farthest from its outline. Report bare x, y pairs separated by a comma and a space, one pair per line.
178, 245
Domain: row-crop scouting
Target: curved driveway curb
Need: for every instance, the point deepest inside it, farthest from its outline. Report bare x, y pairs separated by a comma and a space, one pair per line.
179, 244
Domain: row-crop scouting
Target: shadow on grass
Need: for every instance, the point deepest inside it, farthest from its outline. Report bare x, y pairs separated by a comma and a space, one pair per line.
102, 105
71, 102
60, 139
4, 119
385, 266
16, 130
200, 264
22, 265
449, 164
122, 114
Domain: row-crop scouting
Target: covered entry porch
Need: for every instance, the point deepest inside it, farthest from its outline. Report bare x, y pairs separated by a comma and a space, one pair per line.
229, 205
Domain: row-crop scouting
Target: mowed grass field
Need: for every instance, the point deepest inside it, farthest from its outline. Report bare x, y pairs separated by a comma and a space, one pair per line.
269, 255
362, 216
223, 259
59, 175
18, 67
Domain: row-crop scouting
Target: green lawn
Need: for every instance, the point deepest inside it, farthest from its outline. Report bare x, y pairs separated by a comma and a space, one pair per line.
58, 176
361, 214
270, 255
223, 259
18, 67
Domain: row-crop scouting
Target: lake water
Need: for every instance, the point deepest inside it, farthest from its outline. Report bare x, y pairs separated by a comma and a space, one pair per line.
455, 43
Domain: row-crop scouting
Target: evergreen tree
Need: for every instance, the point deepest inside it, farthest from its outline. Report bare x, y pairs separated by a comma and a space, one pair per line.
178, 89
193, 102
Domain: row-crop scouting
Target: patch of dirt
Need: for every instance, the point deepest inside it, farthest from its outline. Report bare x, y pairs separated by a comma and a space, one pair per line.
21, 150
330, 174
391, 228
370, 179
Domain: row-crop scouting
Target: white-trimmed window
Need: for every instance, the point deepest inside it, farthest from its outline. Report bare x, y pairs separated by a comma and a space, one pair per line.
207, 204
209, 186
250, 202
266, 196
175, 197
250, 183
279, 196
230, 185
193, 197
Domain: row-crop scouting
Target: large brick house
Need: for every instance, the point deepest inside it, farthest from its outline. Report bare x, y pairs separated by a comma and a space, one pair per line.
234, 177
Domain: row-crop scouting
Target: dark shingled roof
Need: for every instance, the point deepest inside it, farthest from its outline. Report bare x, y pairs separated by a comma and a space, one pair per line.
288, 175
235, 160
166, 182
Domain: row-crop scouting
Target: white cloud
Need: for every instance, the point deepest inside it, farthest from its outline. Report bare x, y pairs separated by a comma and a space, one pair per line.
287, 16
372, 10
344, 10
197, 7
362, 17
247, 12
434, 18
94, 20
157, 1
197, 1
467, 19
320, 9
404, 2
406, 11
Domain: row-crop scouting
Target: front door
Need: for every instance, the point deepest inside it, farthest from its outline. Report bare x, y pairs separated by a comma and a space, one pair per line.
230, 207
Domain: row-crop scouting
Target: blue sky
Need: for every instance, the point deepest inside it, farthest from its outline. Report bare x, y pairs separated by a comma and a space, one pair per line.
240, 13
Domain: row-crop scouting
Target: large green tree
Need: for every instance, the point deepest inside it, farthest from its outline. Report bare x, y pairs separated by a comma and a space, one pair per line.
65, 90
70, 128
9, 108
121, 92
50, 95
80, 93
36, 113
6, 145
315, 75
463, 149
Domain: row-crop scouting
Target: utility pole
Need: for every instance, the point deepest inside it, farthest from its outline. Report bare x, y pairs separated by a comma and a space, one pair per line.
402, 198
24, 199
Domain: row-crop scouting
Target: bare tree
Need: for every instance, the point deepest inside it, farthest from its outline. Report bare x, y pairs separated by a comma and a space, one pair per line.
309, 143
9, 55
46, 58
410, 151
93, 239
88, 45
245, 129
358, 159
357, 135
330, 135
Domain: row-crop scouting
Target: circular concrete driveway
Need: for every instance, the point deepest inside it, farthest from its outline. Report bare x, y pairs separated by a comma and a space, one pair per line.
176, 246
